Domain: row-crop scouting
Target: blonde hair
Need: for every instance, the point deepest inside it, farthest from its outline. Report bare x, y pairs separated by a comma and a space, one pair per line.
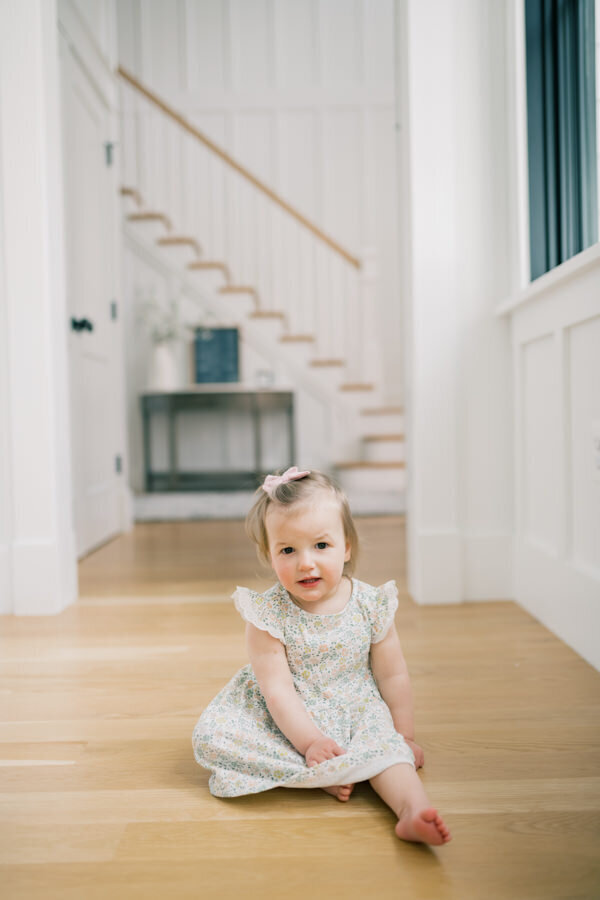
299, 491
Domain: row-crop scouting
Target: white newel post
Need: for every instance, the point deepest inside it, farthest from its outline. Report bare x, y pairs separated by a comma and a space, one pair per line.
38, 573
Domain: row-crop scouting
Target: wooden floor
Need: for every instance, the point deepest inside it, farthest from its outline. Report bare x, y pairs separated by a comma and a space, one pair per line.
100, 796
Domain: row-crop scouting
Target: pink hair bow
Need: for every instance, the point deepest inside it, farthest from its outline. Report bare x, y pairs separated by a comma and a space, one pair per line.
272, 482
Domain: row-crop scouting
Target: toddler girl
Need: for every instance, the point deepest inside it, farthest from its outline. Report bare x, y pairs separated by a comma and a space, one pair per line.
326, 700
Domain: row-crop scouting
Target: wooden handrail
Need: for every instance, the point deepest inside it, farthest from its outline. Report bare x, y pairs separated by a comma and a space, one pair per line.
191, 129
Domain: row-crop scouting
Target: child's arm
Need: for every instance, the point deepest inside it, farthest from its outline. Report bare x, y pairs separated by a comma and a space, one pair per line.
270, 665
391, 674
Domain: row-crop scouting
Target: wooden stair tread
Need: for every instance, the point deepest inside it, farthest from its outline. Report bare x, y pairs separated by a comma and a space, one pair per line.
150, 217
266, 314
383, 411
178, 239
237, 289
383, 437
132, 192
296, 338
357, 387
327, 362
207, 265
370, 465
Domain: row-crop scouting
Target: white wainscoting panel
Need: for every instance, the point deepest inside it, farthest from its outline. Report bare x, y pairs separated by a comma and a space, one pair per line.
583, 435
556, 345
540, 442
342, 57
207, 45
296, 47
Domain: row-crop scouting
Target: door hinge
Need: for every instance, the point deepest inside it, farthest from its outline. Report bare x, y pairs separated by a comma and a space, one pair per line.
118, 464
114, 310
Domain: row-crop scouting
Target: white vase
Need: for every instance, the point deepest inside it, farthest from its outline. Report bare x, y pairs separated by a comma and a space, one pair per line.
164, 373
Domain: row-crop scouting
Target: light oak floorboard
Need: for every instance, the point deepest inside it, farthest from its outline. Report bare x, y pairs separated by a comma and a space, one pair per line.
100, 795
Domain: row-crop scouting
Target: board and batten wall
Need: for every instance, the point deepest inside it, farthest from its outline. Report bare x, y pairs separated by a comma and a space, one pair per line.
555, 327
300, 93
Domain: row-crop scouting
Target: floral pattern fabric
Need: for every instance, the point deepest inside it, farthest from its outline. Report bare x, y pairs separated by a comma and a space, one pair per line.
328, 655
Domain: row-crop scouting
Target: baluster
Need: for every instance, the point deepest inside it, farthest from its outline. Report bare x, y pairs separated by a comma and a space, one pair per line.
141, 151
285, 301
303, 281
266, 262
368, 282
256, 279
355, 342
219, 206
317, 287
292, 299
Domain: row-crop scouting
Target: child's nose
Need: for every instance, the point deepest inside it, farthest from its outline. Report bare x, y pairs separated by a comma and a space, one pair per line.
306, 560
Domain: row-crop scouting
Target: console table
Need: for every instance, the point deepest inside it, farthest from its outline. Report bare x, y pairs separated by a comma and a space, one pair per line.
223, 399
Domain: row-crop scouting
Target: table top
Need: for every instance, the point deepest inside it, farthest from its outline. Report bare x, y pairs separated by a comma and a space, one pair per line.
225, 388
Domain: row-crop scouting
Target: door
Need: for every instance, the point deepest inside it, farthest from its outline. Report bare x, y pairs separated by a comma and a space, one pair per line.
91, 220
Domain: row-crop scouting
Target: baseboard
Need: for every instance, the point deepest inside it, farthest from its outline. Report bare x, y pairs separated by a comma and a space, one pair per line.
5, 582
127, 511
44, 578
454, 568
488, 567
439, 575
562, 596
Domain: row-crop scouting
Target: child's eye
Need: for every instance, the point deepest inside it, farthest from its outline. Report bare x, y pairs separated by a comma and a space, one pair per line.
322, 545
287, 550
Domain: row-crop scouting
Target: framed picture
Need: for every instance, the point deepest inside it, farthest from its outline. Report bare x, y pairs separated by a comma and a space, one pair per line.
216, 355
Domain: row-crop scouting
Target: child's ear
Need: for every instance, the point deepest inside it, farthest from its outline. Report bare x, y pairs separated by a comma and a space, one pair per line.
348, 553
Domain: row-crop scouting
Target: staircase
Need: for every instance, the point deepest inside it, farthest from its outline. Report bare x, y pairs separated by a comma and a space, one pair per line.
302, 301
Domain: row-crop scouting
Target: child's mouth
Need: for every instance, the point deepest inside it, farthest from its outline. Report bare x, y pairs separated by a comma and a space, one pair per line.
309, 581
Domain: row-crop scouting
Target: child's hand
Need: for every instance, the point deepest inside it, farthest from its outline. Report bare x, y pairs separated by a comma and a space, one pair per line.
321, 749
418, 751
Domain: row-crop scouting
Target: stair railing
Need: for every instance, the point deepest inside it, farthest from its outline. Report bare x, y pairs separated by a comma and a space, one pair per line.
295, 268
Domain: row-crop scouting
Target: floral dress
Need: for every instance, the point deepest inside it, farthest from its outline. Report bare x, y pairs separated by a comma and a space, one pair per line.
328, 656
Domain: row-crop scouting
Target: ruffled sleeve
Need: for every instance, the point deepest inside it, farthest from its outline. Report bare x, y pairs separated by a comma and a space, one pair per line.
381, 604
262, 610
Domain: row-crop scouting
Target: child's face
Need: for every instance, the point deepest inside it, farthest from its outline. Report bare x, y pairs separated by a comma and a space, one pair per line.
308, 549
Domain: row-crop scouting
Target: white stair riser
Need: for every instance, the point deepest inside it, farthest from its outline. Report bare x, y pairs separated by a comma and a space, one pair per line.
366, 480
206, 279
357, 400
332, 376
300, 351
390, 423
238, 306
150, 230
180, 254
129, 205
270, 329
384, 451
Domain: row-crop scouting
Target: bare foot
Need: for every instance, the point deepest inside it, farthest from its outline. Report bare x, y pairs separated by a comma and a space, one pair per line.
341, 791
425, 826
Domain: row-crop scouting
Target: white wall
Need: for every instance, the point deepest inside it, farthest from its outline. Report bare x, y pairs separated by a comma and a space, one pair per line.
302, 93
37, 555
454, 164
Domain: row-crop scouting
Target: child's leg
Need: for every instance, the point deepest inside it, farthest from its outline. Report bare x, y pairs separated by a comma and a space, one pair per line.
400, 787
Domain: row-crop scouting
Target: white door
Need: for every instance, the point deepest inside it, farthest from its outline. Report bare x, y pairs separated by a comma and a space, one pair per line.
91, 217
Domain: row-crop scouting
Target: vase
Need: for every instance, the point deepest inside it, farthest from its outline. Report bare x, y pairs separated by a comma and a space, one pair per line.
164, 373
